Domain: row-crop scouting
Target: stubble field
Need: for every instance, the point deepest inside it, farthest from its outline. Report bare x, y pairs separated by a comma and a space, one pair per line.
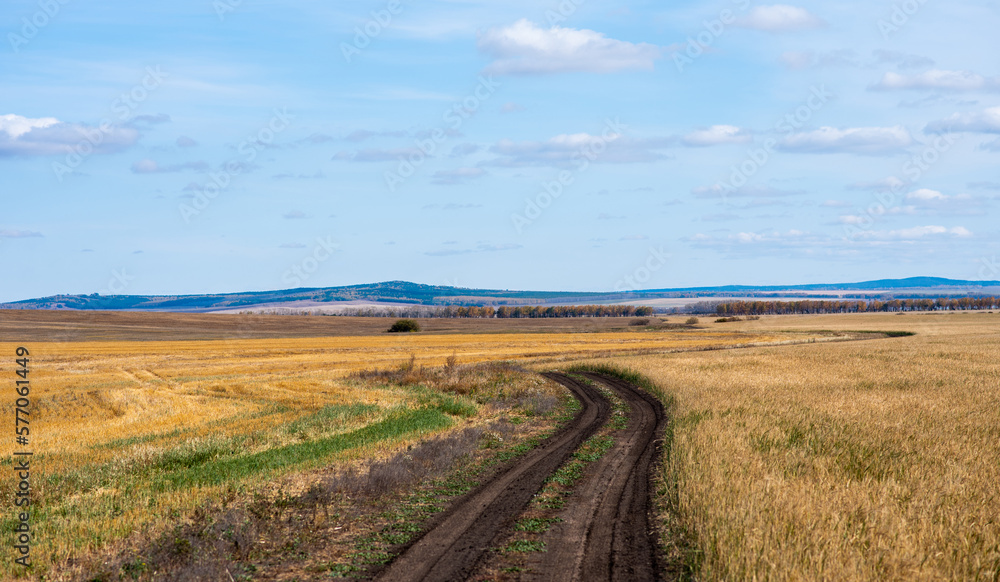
789, 460
132, 435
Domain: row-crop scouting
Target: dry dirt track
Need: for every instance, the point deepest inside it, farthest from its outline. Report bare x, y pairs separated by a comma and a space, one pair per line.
605, 530
605, 534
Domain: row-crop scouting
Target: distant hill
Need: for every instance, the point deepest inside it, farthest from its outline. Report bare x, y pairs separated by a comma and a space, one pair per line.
391, 292
418, 294
877, 285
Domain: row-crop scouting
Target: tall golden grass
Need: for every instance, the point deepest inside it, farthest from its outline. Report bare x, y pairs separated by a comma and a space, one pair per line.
875, 460
118, 426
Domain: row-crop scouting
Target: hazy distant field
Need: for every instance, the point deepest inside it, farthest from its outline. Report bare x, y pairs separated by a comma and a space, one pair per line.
849, 461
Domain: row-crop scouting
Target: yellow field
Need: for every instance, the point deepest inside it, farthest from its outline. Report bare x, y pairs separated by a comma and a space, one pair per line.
867, 460
130, 435
88, 392
873, 460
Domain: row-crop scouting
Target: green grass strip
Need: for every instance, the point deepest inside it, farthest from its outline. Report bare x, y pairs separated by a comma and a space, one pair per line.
228, 469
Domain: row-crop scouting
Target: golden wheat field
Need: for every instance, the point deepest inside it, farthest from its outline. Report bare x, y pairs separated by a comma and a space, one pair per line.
132, 435
794, 456
876, 460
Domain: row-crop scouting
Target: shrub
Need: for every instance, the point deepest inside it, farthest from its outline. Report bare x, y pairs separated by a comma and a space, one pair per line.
691, 320
639, 322
404, 325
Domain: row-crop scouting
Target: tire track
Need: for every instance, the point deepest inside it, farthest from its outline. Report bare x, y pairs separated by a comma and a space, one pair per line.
451, 549
605, 531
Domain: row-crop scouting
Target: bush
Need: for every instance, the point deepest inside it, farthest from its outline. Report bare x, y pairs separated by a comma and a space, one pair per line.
691, 320
639, 322
404, 325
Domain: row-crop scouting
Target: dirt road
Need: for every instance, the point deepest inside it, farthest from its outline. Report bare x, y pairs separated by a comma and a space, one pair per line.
451, 548
605, 530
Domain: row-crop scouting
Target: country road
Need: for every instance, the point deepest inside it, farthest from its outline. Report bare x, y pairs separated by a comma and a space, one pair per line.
605, 530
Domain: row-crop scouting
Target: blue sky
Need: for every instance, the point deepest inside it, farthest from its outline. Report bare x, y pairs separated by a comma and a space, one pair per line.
210, 146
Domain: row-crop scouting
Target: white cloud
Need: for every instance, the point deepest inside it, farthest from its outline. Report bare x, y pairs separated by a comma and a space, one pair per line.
934, 203
15, 125
915, 233
866, 220
780, 18
856, 140
148, 166
574, 149
378, 155
925, 194
19, 233
524, 48
991, 146
47, 136
986, 121
363, 134
890, 184
938, 79
901, 60
717, 135
751, 238
853, 219
511, 107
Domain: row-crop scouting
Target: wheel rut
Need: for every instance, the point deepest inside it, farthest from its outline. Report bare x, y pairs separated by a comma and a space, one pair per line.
605, 530
451, 548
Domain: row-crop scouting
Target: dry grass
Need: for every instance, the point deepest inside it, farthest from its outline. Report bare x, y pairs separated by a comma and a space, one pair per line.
840, 461
132, 436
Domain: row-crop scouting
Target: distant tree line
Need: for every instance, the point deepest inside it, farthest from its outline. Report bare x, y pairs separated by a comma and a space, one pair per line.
522, 311
505, 312
732, 308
